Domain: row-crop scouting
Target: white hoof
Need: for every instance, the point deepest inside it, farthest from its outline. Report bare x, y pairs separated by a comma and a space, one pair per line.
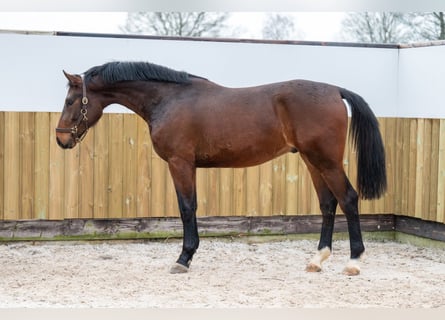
352, 268
312, 267
315, 264
178, 268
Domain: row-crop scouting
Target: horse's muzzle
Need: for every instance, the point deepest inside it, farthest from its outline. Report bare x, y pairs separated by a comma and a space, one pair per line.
71, 143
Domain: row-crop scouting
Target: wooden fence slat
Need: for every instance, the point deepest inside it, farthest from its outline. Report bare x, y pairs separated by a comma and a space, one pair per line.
265, 189
130, 165
239, 192
115, 166
56, 175
12, 166
41, 168
86, 175
72, 178
100, 174
253, 190
279, 186
404, 158
26, 160
227, 202
424, 153
144, 178
418, 193
412, 170
427, 162
213, 192
292, 184
398, 166
433, 175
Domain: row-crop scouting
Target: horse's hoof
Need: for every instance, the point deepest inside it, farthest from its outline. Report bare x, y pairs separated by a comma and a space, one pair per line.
315, 263
312, 267
351, 271
352, 268
178, 268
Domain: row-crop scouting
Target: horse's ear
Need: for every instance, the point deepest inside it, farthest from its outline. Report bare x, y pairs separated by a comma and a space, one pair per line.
74, 79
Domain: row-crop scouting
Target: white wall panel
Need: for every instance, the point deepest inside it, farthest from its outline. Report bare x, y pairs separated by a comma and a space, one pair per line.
422, 82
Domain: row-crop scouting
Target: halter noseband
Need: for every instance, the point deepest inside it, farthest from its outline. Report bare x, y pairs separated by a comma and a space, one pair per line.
82, 118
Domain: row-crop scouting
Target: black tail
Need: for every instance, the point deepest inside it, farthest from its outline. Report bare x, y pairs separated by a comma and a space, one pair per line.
367, 140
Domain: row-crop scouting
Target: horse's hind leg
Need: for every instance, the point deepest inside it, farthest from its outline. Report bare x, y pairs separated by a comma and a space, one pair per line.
184, 178
335, 178
328, 206
348, 200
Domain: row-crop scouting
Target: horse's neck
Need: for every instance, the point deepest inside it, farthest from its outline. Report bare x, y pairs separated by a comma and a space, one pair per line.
143, 97
139, 97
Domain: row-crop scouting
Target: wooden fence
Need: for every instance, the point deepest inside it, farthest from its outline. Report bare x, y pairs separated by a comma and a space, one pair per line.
114, 173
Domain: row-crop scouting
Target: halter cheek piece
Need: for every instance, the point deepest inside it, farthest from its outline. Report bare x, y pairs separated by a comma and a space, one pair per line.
82, 118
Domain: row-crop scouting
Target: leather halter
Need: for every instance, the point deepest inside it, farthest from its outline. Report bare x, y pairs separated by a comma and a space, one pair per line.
82, 117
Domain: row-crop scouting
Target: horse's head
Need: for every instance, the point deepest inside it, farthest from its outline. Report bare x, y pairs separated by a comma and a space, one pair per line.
81, 111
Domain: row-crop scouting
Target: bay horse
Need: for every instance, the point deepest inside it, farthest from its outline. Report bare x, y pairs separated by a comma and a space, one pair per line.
195, 123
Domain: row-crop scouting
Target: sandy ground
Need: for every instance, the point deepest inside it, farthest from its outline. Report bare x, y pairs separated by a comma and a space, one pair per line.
224, 273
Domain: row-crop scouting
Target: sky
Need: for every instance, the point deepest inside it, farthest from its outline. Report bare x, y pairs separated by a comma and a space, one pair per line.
311, 26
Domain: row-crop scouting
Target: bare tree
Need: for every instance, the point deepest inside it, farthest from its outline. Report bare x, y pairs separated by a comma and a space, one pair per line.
428, 26
278, 27
390, 27
185, 24
376, 27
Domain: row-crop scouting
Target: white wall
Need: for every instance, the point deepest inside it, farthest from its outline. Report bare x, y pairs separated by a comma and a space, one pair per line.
422, 82
31, 66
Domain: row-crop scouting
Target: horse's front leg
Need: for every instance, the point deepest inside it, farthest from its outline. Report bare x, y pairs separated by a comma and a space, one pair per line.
184, 178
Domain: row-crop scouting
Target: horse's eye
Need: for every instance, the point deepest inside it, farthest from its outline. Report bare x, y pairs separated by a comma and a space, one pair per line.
69, 102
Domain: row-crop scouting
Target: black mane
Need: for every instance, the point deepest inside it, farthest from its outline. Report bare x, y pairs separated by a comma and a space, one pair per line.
117, 71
